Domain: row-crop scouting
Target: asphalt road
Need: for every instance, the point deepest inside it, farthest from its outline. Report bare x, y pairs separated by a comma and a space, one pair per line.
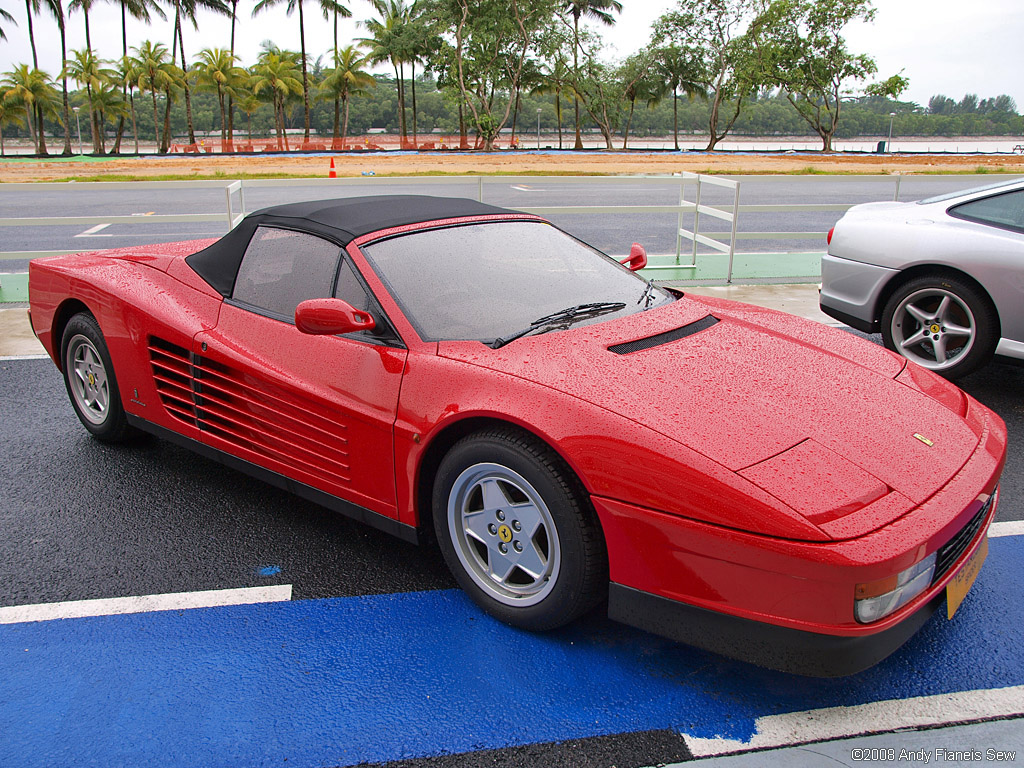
612, 234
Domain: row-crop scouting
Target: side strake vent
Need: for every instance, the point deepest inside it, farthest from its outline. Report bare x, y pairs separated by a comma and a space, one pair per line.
251, 413
664, 338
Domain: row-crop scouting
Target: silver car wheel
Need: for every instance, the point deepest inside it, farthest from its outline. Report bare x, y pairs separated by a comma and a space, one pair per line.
504, 534
88, 379
934, 327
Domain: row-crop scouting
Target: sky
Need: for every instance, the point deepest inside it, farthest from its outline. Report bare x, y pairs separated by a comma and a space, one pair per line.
943, 46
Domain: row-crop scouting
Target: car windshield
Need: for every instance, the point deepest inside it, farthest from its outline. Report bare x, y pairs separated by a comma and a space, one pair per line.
971, 191
488, 280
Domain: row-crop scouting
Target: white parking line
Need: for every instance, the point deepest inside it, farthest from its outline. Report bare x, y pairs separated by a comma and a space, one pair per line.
877, 717
91, 232
7, 358
77, 609
1006, 528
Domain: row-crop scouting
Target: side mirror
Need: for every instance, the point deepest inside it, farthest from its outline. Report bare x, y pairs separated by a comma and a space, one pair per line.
637, 258
329, 317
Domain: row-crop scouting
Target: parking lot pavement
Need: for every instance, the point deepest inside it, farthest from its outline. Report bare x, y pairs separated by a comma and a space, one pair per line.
382, 678
375, 659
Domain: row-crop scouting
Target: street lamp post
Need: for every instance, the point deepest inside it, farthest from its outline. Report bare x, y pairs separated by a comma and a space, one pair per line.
78, 121
538, 127
892, 116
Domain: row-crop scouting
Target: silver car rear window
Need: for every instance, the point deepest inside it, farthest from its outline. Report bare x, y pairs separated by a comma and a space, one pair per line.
971, 191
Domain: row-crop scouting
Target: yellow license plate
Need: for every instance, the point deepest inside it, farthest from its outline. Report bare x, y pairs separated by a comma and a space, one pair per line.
960, 584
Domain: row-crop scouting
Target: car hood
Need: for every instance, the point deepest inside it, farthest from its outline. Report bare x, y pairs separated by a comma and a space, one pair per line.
800, 409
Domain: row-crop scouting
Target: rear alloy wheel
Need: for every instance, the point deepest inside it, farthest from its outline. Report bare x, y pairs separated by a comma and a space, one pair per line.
89, 378
941, 323
517, 532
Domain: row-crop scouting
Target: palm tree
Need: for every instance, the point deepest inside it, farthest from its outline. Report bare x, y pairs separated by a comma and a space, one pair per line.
216, 71
277, 75
127, 75
33, 7
389, 43
555, 78
109, 105
333, 11
185, 10
599, 10
326, 6
6, 17
6, 118
85, 69
249, 103
139, 10
678, 71
84, 6
32, 90
55, 8
154, 73
348, 78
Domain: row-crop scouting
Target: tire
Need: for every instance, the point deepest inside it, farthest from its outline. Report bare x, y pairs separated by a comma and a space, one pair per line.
89, 378
517, 531
942, 323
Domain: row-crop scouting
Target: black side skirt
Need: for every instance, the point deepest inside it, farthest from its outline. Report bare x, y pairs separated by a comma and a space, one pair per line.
333, 503
767, 645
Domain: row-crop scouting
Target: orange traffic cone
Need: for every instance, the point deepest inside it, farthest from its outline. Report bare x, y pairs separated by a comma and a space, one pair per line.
332, 174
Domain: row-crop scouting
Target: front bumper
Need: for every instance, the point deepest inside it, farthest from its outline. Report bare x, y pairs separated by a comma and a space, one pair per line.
788, 604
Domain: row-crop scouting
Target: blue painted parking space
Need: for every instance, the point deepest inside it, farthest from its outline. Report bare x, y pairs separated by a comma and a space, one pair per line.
380, 678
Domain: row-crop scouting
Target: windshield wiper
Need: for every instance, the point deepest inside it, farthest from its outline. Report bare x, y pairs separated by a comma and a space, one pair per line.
568, 316
647, 295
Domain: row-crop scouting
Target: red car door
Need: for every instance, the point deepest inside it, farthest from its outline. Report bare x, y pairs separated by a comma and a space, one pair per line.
318, 409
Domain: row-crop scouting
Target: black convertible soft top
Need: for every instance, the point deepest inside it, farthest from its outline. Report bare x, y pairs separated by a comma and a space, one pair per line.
341, 220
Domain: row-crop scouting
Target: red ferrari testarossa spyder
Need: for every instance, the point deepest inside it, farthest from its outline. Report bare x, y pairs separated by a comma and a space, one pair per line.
732, 477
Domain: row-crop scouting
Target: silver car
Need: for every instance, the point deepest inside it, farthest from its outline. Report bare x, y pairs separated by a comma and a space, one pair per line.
942, 278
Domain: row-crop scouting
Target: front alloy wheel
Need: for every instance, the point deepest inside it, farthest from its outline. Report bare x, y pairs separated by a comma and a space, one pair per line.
504, 534
517, 530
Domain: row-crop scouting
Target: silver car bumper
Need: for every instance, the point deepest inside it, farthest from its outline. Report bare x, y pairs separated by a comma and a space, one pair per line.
850, 291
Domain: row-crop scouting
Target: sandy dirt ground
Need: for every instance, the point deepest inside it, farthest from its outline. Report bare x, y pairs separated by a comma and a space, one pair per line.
508, 163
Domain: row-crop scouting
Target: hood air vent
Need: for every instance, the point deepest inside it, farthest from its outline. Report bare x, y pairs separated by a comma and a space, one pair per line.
664, 338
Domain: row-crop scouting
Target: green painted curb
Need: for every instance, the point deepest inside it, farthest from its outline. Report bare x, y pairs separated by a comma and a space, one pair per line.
13, 287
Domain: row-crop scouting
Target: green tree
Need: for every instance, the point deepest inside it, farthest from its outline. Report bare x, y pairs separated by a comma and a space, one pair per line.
127, 75
88, 71
389, 42
706, 35
680, 72
155, 74
7, 19
185, 10
140, 10
34, 7
800, 48
216, 71
598, 10
31, 90
327, 7
347, 79
278, 77
487, 51
556, 78
641, 81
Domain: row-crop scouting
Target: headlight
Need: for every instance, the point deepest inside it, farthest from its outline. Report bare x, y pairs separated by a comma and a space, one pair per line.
877, 599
